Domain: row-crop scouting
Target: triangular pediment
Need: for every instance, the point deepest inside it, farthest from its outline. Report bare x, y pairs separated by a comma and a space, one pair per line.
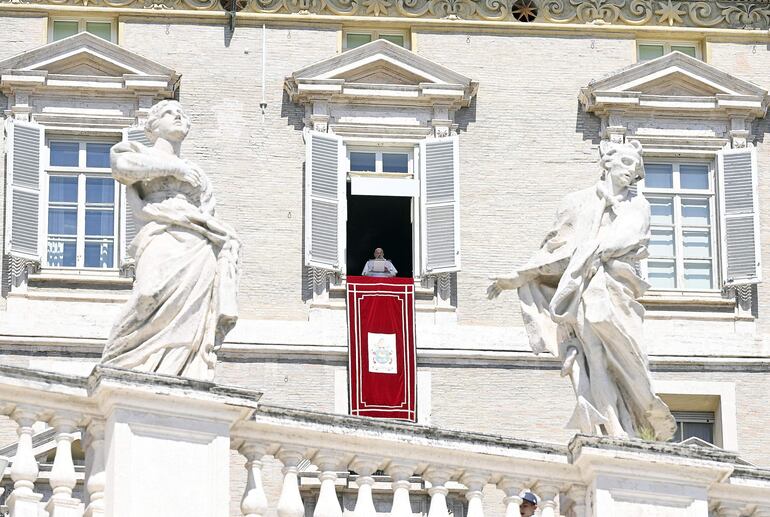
393, 61
676, 74
675, 81
381, 71
87, 55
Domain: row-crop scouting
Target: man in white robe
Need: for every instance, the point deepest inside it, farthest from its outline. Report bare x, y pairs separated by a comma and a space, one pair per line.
379, 265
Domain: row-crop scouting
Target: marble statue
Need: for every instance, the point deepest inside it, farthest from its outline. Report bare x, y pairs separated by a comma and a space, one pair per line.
187, 261
578, 297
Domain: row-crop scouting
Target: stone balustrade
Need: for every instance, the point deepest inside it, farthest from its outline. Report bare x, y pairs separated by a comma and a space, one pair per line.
156, 436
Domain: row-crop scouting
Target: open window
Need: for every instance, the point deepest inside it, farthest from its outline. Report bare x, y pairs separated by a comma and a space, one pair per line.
358, 199
382, 163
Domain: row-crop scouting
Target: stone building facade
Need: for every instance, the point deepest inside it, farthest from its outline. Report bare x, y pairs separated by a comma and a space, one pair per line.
523, 92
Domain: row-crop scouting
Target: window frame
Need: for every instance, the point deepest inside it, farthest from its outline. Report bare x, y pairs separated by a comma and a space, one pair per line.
667, 44
81, 172
376, 34
82, 23
695, 417
719, 397
676, 194
402, 147
379, 151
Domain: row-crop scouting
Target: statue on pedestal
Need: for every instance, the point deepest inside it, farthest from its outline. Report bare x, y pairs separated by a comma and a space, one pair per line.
579, 295
187, 261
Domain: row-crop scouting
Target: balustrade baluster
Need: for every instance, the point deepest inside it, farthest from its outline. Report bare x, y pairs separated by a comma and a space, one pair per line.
548, 499
63, 478
328, 462
438, 477
400, 472
96, 478
475, 482
365, 466
512, 500
254, 502
290, 502
23, 501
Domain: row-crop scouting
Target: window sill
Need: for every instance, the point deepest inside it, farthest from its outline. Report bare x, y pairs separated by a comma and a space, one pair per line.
389, 175
103, 278
691, 304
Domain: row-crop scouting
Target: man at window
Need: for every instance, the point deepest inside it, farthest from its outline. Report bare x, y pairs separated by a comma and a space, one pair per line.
379, 265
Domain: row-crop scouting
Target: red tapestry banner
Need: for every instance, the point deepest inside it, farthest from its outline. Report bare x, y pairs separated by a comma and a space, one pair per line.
382, 366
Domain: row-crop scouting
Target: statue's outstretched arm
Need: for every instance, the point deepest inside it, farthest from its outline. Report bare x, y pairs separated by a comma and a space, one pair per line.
129, 165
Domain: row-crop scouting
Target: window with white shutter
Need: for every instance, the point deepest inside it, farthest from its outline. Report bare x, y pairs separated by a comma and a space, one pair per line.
324, 201
24, 151
739, 216
682, 248
132, 205
439, 205
81, 215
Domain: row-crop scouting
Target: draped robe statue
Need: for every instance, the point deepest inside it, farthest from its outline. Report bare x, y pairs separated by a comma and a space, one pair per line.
578, 301
187, 261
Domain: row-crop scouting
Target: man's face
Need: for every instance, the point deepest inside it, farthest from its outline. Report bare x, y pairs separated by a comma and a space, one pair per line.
378, 253
527, 509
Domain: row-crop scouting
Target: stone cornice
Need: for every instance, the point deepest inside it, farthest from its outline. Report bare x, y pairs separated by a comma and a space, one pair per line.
707, 15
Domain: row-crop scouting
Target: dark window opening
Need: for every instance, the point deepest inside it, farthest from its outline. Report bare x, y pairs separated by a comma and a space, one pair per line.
379, 222
699, 424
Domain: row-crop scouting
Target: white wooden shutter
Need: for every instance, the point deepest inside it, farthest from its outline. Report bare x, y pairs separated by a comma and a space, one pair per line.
130, 205
324, 201
440, 205
25, 150
739, 213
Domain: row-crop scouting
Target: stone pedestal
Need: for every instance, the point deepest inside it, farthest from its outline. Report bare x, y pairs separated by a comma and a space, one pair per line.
167, 443
647, 479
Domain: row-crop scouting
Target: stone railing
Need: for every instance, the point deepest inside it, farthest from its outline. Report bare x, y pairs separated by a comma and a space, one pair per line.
169, 439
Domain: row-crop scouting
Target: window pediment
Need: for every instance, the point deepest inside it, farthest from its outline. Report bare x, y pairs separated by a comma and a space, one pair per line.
86, 62
675, 83
381, 71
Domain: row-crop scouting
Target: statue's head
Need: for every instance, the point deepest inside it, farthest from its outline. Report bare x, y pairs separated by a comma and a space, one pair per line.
167, 120
622, 162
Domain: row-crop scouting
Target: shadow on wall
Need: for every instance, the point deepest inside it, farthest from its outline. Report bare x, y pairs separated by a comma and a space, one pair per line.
307, 272
465, 116
292, 112
759, 128
588, 125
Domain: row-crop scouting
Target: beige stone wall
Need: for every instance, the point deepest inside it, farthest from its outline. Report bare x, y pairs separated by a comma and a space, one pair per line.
20, 32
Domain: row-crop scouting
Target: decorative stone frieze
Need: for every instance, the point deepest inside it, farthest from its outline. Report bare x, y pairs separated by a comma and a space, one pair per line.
669, 13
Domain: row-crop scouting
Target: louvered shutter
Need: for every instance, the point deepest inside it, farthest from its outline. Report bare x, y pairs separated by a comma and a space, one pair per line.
324, 201
24, 149
131, 204
739, 216
440, 205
